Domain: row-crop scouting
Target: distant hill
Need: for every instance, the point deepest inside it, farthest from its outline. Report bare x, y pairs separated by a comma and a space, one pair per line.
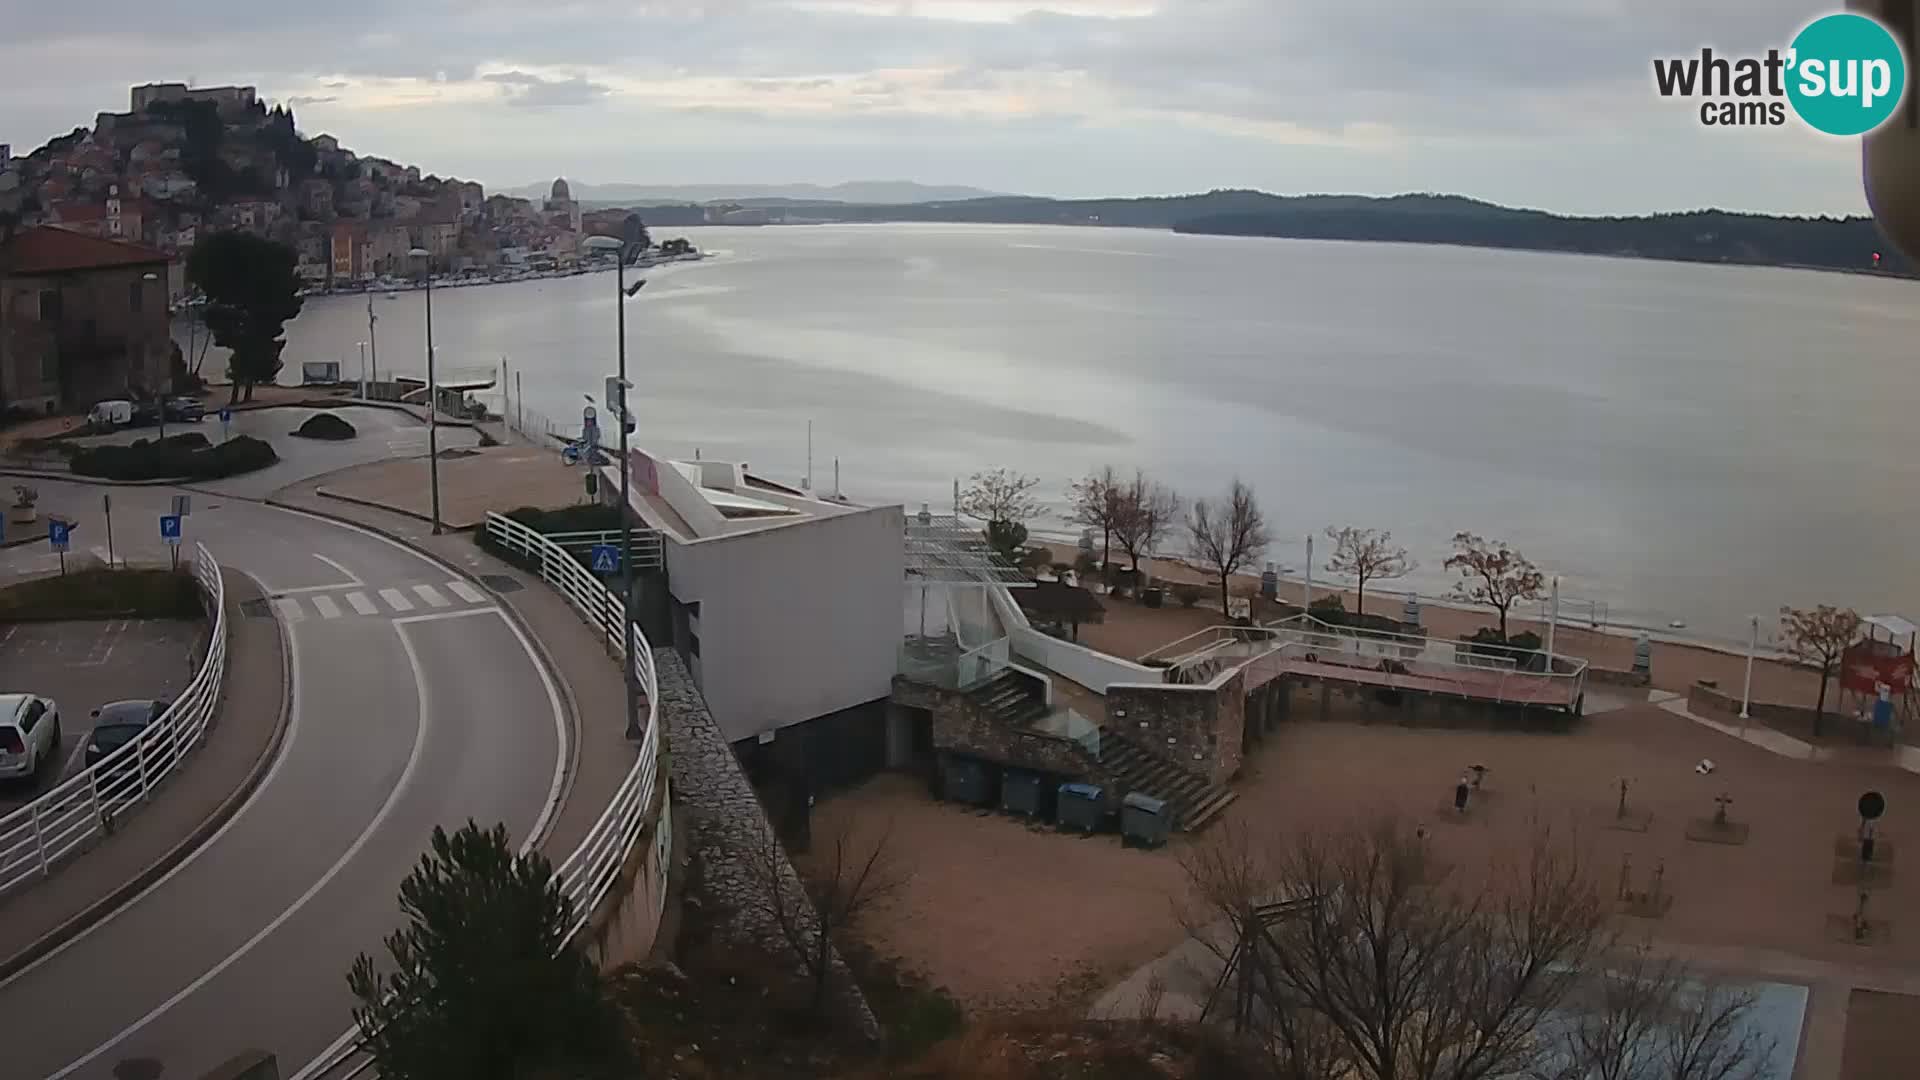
1697, 236
872, 192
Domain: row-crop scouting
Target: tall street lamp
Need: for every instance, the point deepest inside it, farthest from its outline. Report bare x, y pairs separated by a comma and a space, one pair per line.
433, 390
166, 377
629, 245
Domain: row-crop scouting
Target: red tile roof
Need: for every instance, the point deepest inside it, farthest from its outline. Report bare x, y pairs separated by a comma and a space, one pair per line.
51, 250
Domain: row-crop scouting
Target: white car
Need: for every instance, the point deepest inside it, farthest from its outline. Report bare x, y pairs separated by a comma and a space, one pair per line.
29, 734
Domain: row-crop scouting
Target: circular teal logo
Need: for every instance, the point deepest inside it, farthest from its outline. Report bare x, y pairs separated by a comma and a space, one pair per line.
1846, 74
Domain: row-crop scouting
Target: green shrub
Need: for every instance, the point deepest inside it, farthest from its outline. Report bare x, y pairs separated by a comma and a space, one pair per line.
175, 461
98, 593
1330, 609
325, 426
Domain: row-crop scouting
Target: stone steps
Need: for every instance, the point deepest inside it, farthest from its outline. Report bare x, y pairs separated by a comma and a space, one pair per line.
1193, 799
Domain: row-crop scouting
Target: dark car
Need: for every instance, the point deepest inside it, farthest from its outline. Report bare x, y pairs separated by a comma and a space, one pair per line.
115, 725
186, 409
146, 413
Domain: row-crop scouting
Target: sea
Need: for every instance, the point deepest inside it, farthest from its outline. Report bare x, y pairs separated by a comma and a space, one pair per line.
1684, 446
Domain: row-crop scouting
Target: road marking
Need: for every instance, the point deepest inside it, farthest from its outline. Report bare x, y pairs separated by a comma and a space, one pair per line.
396, 599
289, 608
348, 574
361, 604
103, 555
432, 596
439, 615
327, 608
304, 589
79, 748
466, 592
379, 819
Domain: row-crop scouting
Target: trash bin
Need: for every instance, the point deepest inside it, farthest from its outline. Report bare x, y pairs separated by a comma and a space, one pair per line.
1144, 820
1022, 793
1079, 807
967, 781
1153, 596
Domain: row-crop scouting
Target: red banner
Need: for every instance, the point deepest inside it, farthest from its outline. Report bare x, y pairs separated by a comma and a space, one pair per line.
1867, 666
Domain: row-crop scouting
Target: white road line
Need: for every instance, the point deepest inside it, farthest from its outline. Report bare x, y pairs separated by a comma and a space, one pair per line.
348, 574
79, 748
327, 608
466, 592
361, 604
102, 554
289, 608
439, 615
432, 596
304, 589
379, 819
396, 599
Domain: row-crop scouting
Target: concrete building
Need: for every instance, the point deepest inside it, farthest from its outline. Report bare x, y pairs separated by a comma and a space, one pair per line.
81, 319
229, 99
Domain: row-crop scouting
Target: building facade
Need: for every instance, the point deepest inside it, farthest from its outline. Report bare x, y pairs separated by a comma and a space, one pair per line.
81, 319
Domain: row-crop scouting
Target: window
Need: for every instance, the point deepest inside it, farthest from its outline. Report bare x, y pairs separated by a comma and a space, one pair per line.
49, 305
31, 718
133, 296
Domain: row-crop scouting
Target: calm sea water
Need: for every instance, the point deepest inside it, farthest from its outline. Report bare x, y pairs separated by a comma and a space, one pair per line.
1681, 442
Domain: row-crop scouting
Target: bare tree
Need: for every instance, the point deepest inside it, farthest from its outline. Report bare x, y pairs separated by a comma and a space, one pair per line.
1003, 500
1094, 501
1366, 555
1226, 535
1642, 1017
1493, 574
813, 915
1367, 958
1147, 512
1819, 636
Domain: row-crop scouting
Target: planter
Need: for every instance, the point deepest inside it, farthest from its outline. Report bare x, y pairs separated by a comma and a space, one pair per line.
22, 515
1153, 596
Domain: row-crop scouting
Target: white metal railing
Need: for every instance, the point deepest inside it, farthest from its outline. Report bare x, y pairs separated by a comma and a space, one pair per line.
587, 875
38, 835
649, 553
979, 664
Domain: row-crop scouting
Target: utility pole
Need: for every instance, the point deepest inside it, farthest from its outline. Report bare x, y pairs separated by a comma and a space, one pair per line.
372, 345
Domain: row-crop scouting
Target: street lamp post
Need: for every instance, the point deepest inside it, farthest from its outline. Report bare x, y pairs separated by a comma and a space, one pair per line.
373, 343
166, 377
433, 392
364, 387
1753, 644
631, 230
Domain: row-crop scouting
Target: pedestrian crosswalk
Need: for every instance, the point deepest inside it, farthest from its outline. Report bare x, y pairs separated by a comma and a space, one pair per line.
368, 601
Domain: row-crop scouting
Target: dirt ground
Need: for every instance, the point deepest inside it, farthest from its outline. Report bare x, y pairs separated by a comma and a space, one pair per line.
1880, 1036
1004, 916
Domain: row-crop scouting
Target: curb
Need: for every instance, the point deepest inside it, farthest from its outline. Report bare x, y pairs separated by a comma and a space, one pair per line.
355, 500
545, 657
132, 887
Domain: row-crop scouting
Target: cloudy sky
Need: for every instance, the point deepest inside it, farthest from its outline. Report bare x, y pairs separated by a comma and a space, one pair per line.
1545, 103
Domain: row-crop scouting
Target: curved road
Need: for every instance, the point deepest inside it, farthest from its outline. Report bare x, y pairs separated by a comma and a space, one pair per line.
415, 703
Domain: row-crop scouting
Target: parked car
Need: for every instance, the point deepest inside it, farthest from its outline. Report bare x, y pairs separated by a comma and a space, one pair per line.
111, 414
186, 409
29, 735
115, 725
146, 413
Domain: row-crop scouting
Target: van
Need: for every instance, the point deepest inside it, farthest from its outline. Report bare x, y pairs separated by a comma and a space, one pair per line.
116, 413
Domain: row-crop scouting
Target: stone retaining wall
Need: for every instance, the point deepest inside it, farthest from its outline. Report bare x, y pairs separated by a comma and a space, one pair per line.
725, 823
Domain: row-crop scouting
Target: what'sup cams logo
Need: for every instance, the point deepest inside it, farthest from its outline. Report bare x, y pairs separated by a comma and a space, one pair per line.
1844, 74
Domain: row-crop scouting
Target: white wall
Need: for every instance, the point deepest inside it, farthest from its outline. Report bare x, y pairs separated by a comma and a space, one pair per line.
795, 621
1093, 670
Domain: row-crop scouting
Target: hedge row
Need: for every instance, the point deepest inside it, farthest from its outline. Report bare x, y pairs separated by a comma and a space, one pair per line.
99, 593
178, 457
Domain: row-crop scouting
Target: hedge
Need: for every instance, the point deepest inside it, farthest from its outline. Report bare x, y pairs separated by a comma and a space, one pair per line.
587, 517
100, 593
325, 426
175, 460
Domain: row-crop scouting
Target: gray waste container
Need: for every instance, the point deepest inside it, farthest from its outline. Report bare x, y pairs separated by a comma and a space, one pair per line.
1022, 793
1144, 820
968, 781
1079, 807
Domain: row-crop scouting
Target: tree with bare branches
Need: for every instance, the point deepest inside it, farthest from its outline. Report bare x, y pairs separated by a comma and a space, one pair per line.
1094, 501
1645, 1017
1492, 574
1003, 501
1147, 512
1366, 555
1819, 636
813, 915
1226, 535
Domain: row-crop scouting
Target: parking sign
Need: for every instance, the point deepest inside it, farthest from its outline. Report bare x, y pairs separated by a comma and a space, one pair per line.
57, 534
170, 528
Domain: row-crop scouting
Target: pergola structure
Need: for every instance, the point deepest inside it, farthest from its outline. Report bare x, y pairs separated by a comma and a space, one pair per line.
951, 571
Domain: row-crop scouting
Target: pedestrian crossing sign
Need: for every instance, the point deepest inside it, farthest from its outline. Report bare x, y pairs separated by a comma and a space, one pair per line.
606, 559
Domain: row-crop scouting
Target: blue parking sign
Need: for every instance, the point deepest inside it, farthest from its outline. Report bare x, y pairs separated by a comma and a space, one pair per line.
170, 528
57, 534
606, 559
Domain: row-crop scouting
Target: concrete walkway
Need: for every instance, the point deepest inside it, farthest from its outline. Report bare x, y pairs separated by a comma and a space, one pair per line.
1776, 742
208, 788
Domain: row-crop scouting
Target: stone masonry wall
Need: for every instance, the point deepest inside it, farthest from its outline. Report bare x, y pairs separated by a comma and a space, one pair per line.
1198, 728
961, 726
725, 821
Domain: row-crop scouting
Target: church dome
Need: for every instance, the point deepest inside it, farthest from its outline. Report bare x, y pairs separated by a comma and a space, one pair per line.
560, 192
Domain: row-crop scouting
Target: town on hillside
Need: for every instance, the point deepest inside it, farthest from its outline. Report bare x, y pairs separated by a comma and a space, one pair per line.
182, 163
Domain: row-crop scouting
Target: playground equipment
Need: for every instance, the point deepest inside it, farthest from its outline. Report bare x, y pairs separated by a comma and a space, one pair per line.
1651, 902
1877, 678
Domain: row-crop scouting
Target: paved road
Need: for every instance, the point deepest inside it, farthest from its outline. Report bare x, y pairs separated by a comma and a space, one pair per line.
416, 703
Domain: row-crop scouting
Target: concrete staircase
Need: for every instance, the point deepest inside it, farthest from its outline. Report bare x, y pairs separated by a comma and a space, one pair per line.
1194, 801
1012, 698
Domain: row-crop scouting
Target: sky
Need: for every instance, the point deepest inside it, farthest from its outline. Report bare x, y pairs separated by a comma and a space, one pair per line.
1547, 103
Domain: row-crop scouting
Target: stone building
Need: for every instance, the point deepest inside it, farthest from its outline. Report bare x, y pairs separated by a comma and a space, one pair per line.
81, 319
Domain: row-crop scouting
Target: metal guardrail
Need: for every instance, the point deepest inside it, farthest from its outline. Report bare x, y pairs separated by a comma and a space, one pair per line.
648, 550
59, 823
587, 875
